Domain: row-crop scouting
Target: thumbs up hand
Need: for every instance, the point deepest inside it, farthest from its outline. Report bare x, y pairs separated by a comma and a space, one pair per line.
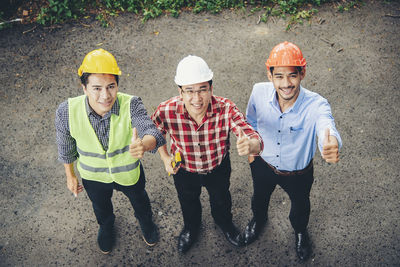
136, 148
243, 143
330, 148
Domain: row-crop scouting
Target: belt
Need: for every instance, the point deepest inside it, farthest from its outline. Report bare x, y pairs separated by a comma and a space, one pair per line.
226, 157
290, 173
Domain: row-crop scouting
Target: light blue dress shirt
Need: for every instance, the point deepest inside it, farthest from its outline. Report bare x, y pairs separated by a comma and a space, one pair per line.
290, 138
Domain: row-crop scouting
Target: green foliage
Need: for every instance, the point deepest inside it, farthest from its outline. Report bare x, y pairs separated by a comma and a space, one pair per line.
347, 5
60, 10
5, 25
297, 11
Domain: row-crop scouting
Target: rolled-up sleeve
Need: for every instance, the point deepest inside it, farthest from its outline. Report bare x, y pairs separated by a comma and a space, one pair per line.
143, 123
66, 144
326, 121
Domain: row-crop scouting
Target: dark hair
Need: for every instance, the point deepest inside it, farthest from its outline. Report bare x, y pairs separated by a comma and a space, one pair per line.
298, 68
85, 76
209, 82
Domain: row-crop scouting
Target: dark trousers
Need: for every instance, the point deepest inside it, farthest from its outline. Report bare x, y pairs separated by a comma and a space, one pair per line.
100, 194
188, 186
296, 186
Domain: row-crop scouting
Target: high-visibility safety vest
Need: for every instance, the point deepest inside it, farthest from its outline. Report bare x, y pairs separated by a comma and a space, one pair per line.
114, 165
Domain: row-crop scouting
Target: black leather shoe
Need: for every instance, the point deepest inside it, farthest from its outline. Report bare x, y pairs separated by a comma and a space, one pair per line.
303, 248
252, 231
233, 236
106, 238
186, 239
150, 232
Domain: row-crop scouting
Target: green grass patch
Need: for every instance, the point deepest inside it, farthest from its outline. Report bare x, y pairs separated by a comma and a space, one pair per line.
294, 11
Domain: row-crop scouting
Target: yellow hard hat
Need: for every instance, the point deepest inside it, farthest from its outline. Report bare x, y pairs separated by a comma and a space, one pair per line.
99, 61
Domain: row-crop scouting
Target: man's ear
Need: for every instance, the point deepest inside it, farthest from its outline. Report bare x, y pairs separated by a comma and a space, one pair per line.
303, 73
180, 91
84, 89
269, 74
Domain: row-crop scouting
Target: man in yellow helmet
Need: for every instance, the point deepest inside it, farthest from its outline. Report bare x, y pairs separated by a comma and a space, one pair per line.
289, 119
107, 133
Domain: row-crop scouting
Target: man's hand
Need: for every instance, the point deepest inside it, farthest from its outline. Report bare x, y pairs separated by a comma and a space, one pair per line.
243, 144
168, 165
136, 148
73, 185
168, 159
72, 181
330, 148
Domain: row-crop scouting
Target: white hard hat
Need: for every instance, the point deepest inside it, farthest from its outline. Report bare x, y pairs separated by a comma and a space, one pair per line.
192, 70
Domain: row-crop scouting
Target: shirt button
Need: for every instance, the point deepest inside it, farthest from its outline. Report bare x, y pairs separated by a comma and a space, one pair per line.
277, 156
279, 144
280, 117
198, 144
279, 131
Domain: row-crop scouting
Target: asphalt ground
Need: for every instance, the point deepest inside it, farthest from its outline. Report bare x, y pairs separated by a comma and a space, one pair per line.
353, 61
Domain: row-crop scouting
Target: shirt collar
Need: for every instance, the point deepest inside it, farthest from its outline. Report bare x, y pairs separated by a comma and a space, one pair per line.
299, 100
114, 109
273, 99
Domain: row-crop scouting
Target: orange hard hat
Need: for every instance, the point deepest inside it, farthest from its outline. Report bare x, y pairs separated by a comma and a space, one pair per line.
286, 54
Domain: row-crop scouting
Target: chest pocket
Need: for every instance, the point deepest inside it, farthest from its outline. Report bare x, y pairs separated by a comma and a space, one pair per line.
293, 133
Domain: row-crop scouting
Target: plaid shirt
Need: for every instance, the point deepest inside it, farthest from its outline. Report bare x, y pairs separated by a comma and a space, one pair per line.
203, 146
67, 152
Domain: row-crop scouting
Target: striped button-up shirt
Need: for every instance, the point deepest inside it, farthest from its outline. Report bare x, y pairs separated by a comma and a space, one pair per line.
67, 150
202, 147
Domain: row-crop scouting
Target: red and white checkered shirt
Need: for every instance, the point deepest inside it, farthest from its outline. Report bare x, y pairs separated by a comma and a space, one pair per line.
202, 147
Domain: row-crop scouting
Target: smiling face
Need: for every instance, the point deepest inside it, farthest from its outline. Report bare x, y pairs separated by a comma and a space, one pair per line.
101, 90
286, 81
196, 98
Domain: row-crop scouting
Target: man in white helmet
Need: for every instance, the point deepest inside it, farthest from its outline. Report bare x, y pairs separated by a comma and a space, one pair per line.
199, 125
107, 133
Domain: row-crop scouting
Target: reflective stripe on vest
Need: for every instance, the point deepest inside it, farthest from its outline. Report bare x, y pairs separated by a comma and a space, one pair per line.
113, 170
114, 165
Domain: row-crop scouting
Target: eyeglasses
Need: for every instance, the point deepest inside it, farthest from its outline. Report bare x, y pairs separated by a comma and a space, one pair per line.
191, 93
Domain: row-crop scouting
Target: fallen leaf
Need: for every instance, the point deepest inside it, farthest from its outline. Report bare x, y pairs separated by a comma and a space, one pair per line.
99, 44
156, 33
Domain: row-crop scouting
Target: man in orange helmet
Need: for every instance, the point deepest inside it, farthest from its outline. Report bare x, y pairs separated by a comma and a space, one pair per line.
288, 118
107, 133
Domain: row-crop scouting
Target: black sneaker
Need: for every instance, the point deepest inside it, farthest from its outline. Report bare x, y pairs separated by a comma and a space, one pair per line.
105, 239
150, 233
